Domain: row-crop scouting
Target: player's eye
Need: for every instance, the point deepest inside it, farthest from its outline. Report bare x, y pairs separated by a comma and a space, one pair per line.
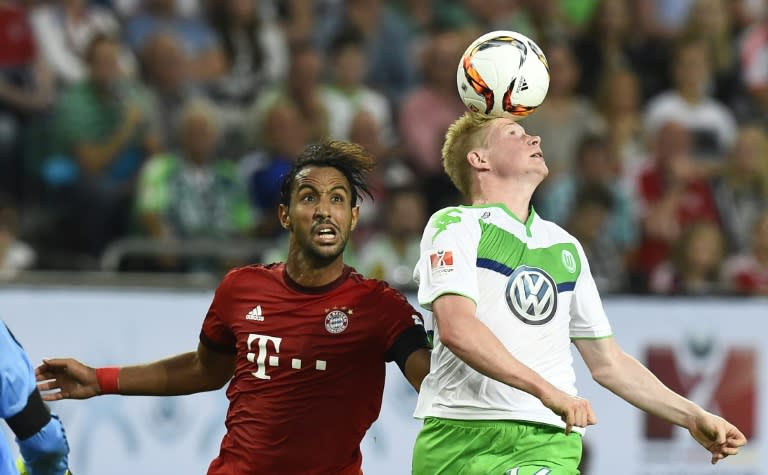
337, 199
308, 198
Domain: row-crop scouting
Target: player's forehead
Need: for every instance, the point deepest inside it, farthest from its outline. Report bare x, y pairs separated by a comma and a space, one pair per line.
321, 179
504, 124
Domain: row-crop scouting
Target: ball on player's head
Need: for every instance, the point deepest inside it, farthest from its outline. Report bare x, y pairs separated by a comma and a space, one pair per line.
503, 72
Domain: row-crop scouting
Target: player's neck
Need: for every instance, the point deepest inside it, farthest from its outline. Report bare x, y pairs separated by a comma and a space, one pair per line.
516, 198
311, 273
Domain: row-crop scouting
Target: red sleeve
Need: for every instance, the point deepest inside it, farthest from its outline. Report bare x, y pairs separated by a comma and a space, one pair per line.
398, 316
216, 333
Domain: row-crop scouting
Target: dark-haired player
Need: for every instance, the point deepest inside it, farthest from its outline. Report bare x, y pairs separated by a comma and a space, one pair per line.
304, 343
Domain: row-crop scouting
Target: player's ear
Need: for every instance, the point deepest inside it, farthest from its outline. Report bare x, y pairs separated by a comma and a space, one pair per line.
355, 216
284, 216
477, 160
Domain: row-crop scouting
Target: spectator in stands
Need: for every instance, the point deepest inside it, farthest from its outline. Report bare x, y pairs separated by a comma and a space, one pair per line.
618, 103
15, 255
741, 193
166, 74
346, 94
427, 111
709, 22
694, 267
26, 89
391, 171
388, 65
255, 51
192, 194
614, 38
302, 89
690, 103
489, 15
671, 196
391, 252
595, 164
588, 221
551, 20
422, 16
199, 42
65, 28
286, 133
747, 272
753, 52
565, 117
103, 136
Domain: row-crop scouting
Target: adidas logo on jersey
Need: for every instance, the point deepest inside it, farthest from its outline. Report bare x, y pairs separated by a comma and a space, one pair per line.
255, 314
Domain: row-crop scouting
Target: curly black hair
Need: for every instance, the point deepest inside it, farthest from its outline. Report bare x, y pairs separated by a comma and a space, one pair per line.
349, 158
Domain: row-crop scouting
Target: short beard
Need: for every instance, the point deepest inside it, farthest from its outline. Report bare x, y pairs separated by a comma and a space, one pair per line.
319, 260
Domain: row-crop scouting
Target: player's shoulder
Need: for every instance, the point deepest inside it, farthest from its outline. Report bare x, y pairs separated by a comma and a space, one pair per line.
253, 272
375, 289
454, 218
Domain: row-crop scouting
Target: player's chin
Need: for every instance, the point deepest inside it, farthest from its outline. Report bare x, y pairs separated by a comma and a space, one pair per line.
329, 251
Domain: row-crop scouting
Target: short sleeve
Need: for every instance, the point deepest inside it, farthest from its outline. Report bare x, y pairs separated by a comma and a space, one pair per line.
17, 379
588, 318
448, 257
216, 333
399, 317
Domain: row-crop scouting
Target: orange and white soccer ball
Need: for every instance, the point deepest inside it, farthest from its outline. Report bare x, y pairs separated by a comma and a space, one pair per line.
503, 72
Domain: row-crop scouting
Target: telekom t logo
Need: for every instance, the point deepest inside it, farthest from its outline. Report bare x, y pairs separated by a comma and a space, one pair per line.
262, 358
731, 392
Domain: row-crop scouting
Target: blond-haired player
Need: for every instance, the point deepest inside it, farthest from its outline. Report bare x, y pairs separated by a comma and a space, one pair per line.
510, 292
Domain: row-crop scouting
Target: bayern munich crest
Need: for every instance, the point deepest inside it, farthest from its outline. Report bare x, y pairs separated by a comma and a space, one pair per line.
336, 321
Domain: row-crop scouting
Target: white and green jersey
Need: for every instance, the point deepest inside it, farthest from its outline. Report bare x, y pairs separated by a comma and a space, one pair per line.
533, 289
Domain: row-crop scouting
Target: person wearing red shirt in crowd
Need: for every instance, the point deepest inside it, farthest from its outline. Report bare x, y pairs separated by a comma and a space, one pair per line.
26, 89
672, 194
304, 341
747, 273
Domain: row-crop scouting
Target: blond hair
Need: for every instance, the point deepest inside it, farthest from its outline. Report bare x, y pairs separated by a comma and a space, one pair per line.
466, 133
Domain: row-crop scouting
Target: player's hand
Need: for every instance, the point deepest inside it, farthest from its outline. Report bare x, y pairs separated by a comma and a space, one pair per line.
66, 379
573, 410
717, 435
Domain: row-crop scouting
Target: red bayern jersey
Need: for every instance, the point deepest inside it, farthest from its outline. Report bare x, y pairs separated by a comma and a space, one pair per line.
309, 372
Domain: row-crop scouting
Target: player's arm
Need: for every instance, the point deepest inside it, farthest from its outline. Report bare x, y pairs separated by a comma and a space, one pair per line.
410, 351
630, 380
187, 373
417, 367
39, 434
473, 342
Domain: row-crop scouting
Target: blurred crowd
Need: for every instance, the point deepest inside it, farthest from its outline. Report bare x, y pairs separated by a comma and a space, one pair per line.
173, 120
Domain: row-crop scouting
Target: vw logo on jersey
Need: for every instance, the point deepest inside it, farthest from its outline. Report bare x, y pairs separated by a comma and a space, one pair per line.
532, 295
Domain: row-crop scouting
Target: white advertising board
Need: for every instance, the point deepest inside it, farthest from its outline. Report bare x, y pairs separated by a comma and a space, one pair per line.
710, 350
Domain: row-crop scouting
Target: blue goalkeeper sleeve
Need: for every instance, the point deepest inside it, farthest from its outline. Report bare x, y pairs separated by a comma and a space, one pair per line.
40, 435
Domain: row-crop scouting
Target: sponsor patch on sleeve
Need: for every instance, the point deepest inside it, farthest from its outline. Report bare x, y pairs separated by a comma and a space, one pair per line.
441, 262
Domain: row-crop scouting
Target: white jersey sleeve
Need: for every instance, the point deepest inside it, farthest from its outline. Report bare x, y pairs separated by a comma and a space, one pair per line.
588, 318
447, 261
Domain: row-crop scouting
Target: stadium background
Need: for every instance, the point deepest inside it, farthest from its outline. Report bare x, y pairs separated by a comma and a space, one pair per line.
654, 131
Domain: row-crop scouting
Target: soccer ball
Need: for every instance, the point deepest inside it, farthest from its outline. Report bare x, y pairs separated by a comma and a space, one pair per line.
503, 72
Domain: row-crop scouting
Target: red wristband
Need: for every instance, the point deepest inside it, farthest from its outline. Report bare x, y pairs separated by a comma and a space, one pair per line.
107, 379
